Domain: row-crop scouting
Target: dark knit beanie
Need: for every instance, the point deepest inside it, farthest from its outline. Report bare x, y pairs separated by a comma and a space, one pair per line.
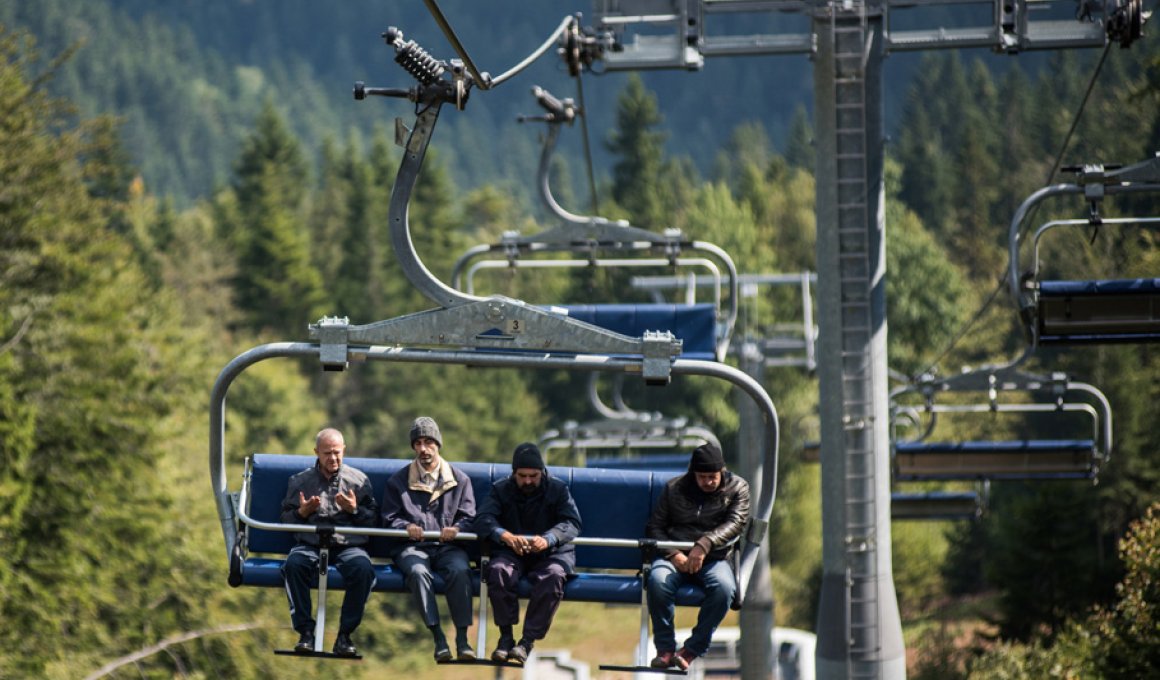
426, 427
707, 458
527, 455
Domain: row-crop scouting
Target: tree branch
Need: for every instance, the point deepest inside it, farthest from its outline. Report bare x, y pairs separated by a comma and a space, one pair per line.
19, 335
168, 642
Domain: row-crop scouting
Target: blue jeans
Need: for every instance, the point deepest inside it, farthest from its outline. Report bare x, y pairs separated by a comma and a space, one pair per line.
300, 572
716, 578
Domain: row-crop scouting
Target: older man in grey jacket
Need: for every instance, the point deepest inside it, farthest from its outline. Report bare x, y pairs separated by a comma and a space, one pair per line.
329, 493
432, 495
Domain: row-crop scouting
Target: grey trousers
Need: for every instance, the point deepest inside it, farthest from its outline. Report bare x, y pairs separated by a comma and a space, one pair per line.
418, 564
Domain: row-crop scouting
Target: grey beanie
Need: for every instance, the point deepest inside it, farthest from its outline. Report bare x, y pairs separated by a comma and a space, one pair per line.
426, 427
527, 456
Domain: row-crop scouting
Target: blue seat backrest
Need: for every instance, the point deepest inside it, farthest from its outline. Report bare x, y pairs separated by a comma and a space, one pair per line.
694, 324
671, 464
1097, 288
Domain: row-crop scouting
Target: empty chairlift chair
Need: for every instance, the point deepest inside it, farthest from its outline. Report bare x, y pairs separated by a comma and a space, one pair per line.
1079, 312
1079, 439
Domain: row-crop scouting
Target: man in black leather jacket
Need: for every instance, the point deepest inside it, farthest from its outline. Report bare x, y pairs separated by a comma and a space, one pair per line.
709, 507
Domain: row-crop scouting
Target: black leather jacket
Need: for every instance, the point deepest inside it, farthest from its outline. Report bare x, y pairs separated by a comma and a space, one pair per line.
685, 513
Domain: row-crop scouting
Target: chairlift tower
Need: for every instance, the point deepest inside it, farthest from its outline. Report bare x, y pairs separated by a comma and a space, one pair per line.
859, 628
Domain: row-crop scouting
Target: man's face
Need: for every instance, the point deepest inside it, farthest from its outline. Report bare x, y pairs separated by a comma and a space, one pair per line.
528, 480
426, 452
708, 481
329, 452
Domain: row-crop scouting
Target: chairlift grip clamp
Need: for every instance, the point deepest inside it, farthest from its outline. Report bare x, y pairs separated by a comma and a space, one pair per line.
332, 333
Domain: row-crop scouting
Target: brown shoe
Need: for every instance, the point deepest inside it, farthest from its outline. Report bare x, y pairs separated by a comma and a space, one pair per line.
683, 658
662, 660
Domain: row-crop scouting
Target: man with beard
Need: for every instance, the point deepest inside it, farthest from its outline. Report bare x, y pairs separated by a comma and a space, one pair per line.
708, 506
334, 494
432, 495
533, 519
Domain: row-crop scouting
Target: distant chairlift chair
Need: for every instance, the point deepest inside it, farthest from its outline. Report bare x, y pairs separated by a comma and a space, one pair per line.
922, 458
1075, 312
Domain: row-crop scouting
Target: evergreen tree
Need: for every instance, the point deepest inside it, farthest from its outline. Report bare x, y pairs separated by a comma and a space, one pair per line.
277, 285
639, 150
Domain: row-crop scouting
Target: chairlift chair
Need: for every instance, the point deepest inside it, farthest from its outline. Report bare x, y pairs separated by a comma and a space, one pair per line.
1083, 312
923, 458
595, 241
466, 330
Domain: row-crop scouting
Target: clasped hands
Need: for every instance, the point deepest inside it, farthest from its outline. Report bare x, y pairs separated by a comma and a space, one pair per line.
690, 563
521, 545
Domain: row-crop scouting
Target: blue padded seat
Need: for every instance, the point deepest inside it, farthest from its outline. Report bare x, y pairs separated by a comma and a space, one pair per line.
1015, 459
695, 324
938, 505
1090, 312
612, 503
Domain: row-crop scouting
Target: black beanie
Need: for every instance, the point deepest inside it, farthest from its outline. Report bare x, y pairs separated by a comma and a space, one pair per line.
707, 458
527, 455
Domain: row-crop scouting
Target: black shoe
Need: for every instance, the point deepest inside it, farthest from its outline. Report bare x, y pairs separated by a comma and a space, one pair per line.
520, 652
305, 643
503, 649
343, 646
464, 652
442, 651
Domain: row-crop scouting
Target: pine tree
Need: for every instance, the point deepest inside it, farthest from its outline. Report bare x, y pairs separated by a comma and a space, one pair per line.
277, 285
639, 150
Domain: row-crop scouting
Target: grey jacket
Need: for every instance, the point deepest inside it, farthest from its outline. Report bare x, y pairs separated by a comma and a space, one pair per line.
685, 513
311, 482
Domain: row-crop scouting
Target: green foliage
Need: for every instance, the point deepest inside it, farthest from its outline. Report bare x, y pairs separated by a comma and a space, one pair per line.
1127, 634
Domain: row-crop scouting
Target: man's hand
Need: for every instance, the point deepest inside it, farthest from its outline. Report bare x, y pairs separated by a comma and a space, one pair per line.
696, 560
347, 501
307, 506
681, 562
537, 544
518, 544
448, 534
414, 532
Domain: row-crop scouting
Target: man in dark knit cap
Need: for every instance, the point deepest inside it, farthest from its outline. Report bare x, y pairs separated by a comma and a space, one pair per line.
709, 507
432, 495
533, 519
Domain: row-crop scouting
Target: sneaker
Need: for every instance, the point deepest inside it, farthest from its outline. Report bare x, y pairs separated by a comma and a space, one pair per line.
662, 660
305, 643
520, 652
442, 651
465, 652
503, 649
683, 658
343, 646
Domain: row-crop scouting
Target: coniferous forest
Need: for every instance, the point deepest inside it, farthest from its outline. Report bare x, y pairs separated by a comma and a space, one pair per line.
182, 181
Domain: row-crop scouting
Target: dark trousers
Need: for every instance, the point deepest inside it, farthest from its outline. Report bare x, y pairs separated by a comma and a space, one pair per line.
503, 581
300, 573
450, 561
